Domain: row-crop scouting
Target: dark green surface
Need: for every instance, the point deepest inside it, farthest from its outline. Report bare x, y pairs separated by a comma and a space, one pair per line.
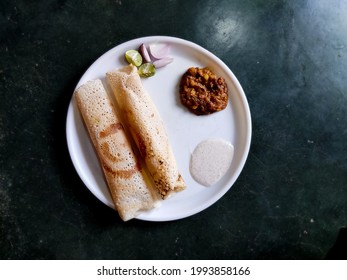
291, 198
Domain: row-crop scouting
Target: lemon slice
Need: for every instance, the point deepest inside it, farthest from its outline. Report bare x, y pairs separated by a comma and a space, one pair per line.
147, 70
133, 57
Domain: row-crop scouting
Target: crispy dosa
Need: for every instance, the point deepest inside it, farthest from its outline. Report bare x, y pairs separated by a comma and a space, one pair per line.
125, 177
148, 131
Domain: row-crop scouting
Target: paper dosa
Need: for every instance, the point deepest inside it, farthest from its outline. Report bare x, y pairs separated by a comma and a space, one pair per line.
147, 129
123, 172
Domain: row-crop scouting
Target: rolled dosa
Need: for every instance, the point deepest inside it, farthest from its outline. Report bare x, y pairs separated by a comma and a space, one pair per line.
147, 129
123, 172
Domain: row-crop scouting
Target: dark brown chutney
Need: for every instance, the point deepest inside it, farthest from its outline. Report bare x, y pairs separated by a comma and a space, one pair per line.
202, 92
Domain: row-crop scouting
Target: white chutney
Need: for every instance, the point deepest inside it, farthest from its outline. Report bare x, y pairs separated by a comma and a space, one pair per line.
210, 160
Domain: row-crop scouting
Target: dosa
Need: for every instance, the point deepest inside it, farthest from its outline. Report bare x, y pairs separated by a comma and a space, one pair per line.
146, 128
123, 172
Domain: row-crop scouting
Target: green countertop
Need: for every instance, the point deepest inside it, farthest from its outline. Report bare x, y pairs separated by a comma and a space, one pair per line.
290, 200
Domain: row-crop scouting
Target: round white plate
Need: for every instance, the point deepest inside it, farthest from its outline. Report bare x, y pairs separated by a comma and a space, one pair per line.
185, 130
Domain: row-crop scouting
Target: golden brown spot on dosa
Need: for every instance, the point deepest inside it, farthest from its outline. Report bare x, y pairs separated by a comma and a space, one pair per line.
142, 146
110, 130
126, 174
105, 149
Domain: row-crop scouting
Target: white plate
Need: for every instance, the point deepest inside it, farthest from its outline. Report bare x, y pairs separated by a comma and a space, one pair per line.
185, 130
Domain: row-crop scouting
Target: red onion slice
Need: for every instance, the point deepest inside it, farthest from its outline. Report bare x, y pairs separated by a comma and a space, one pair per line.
159, 51
144, 53
162, 62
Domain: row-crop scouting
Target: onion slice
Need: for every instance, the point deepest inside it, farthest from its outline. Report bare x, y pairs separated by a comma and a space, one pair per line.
162, 62
159, 51
144, 53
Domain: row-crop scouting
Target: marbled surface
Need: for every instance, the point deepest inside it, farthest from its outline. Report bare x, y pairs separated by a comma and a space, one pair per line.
290, 200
